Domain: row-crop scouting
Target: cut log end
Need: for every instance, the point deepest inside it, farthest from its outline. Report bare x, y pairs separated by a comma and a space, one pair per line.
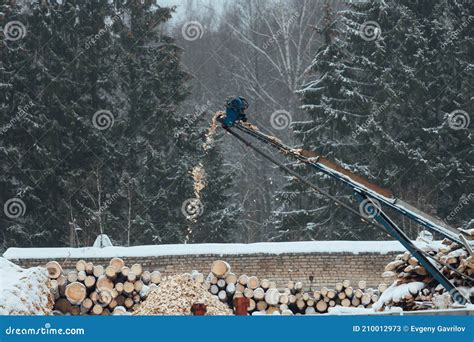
54, 269
117, 263
220, 268
75, 293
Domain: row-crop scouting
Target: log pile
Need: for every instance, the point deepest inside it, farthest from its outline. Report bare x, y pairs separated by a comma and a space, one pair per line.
415, 289
265, 298
120, 289
100, 290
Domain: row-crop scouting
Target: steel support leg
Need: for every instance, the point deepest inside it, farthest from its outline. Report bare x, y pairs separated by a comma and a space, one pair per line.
400, 235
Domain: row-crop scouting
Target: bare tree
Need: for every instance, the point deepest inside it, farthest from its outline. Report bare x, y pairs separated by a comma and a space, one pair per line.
257, 49
282, 34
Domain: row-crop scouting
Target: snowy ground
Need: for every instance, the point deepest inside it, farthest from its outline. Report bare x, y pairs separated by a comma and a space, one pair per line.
23, 291
354, 247
340, 310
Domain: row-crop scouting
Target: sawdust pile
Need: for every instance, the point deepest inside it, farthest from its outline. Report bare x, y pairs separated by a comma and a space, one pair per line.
24, 291
176, 295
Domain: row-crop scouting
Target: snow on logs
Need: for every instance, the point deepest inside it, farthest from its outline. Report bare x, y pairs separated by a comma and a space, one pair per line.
415, 289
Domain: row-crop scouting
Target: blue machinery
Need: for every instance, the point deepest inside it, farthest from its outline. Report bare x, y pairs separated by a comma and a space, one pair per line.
370, 196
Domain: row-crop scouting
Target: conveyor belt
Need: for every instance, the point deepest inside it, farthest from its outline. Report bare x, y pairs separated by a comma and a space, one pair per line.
357, 183
366, 192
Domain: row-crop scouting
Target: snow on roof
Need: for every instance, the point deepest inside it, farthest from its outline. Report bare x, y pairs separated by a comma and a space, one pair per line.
354, 247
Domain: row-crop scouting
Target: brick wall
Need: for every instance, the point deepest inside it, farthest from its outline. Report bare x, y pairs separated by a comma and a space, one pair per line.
326, 268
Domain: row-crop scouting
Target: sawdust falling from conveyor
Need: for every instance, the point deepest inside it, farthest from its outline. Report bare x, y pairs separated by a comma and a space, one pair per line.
211, 132
198, 172
199, 176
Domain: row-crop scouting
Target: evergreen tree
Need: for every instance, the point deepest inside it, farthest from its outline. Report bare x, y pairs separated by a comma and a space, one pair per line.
17, 109
97, 86
399, 136
423, 159
58, 142
338, 98
153, 85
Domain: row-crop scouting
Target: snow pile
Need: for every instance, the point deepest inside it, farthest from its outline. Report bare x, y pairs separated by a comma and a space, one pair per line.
429, 246
102, 241
24, 291
341, 310
396, 293
176, 295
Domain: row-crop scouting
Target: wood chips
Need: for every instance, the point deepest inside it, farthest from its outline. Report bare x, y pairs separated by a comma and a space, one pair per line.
176, 295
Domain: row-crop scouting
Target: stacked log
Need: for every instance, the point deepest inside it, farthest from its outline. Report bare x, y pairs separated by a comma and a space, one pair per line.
421, 290
221, 282
119, 289
100, 290
265, 298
